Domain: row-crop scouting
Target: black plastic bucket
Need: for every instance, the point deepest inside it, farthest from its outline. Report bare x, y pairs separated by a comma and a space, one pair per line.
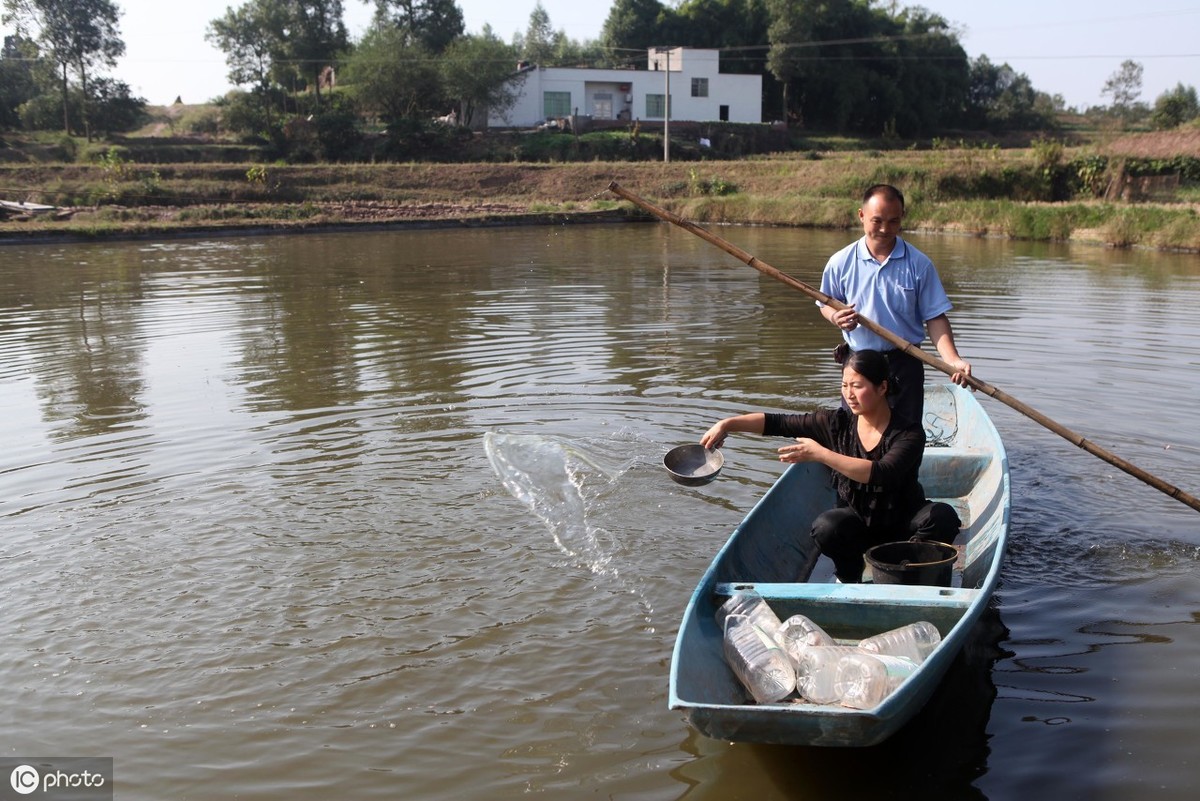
912, 562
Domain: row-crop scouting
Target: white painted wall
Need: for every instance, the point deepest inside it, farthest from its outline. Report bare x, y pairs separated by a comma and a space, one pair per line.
627, 91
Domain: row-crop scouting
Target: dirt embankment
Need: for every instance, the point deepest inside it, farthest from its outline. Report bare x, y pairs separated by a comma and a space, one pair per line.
129, 198
1160, 144
190, 195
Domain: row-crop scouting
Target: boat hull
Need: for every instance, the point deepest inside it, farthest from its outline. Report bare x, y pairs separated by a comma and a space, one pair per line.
772, 552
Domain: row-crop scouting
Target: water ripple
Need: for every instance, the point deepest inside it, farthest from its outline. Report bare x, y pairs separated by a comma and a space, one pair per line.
307, 496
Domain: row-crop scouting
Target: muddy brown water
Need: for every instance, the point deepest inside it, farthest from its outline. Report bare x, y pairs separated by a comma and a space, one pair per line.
383, 515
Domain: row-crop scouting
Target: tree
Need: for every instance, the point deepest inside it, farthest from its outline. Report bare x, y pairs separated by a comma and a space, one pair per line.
18, 81
433, 24
787, 33
632, 25
393, 76
314, 34
115, 109
1124, 86
734, 24
1000, 98
1173, 108
246, 37
279, 43
931, 73
478, 71
825, 54
538, 44
568, 51
736, 27
76, 34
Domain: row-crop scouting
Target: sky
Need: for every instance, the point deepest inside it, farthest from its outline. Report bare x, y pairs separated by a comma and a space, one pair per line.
1066, 47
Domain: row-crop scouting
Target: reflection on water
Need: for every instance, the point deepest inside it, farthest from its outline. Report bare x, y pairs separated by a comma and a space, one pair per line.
386, 512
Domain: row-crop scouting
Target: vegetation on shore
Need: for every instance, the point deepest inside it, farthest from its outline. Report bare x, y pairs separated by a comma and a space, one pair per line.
1141, 190
326, 131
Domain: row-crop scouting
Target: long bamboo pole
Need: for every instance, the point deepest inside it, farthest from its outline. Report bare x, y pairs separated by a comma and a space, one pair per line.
911, 349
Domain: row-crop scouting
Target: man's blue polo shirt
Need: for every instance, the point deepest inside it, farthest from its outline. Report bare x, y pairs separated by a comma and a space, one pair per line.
901, 294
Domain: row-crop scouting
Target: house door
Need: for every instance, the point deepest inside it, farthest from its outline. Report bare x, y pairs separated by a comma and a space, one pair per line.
724, 112
602, 106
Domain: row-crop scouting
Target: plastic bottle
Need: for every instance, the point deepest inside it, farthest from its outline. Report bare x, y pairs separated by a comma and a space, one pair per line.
914, 641
757, 660
816, 671
862, 680
798, 633
753, 606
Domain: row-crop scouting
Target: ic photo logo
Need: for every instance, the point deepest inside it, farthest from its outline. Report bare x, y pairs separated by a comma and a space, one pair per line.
77, 778
25, 779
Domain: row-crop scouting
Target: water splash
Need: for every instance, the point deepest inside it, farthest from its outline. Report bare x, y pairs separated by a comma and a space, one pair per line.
568, 488
558, 483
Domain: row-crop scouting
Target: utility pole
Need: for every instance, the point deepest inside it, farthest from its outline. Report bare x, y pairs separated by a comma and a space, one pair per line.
666, 51
667, 113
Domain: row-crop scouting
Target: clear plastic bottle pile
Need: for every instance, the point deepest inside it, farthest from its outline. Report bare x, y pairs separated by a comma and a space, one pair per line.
774, 659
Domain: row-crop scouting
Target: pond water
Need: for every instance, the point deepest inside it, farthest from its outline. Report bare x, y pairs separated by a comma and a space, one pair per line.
382, 515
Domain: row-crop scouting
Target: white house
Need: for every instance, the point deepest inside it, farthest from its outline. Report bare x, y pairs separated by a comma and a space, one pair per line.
699, 92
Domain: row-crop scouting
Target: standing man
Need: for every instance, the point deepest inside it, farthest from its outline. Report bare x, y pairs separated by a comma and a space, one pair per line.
896, 286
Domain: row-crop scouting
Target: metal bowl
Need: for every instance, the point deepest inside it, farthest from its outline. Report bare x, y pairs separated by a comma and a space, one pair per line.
693, 465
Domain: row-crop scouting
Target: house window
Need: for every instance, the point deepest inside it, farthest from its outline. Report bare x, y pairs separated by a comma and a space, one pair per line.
655, 106
699, 87
557, 104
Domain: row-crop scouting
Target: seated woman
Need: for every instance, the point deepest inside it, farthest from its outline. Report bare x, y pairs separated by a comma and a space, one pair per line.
874, 455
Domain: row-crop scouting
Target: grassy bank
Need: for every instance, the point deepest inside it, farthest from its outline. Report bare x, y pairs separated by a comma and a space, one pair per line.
965, 190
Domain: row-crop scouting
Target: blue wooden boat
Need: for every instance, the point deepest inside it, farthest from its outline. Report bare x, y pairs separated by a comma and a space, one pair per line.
772, 552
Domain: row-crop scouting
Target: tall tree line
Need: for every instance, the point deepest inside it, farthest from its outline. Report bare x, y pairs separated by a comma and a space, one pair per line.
845, 65
855, 66
278, 49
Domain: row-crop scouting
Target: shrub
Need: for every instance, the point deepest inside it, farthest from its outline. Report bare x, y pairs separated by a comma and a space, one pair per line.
1122, 230
1173, 108
717, 187
420, 140
1187, 167
45, 112
113, 108
203, 121
1089, 175
1055, 180
339, 137
1007, 183
69, 147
